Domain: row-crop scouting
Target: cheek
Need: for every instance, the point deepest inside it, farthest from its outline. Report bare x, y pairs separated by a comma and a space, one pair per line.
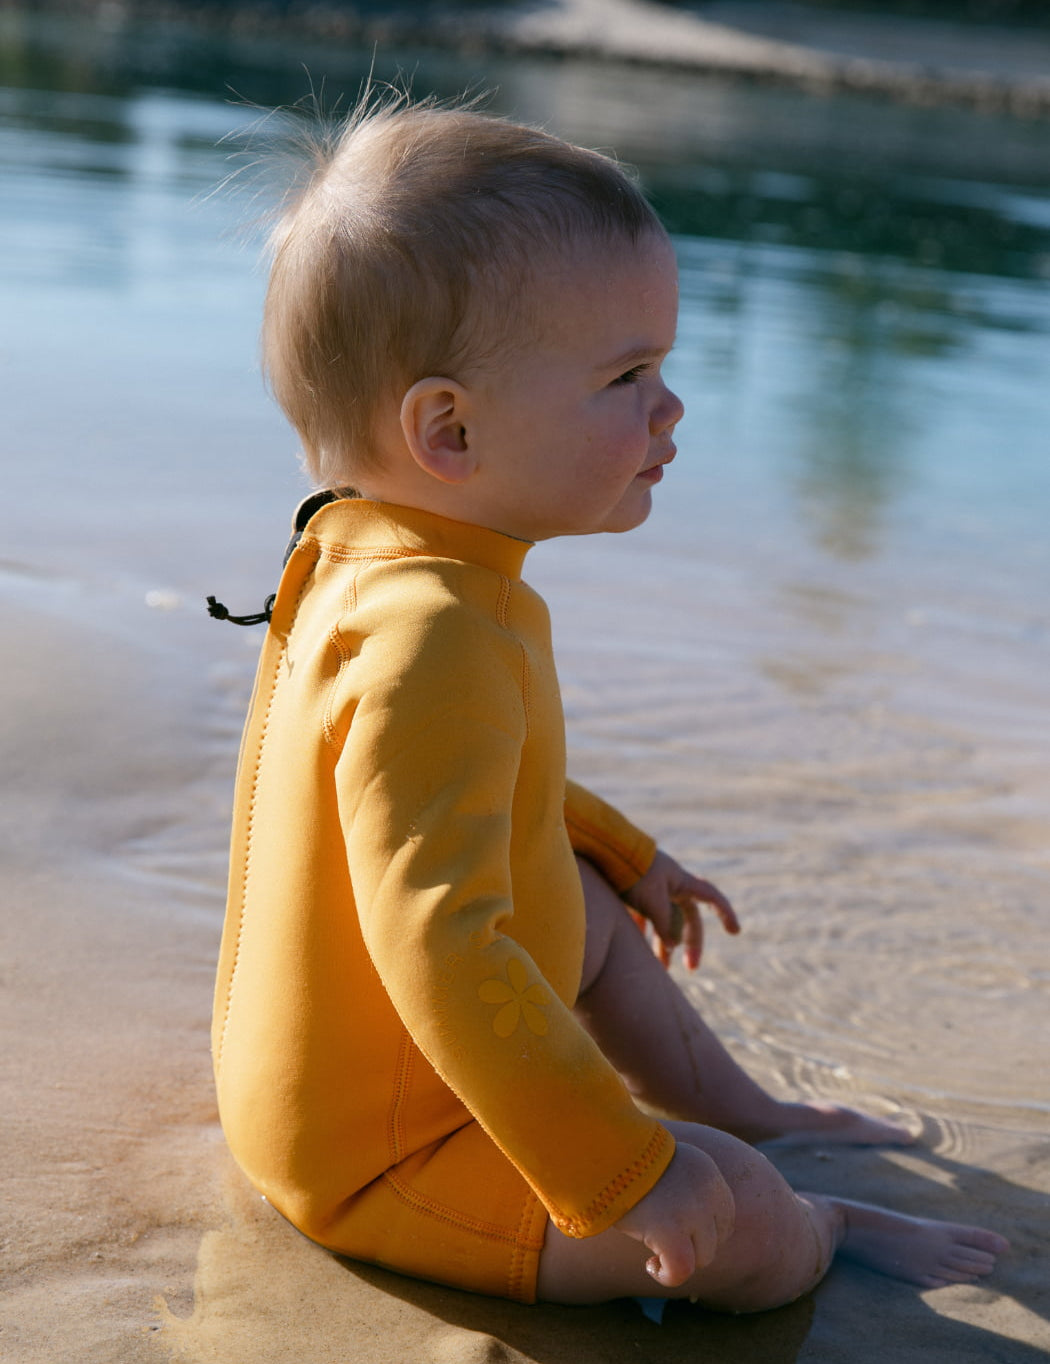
631, 438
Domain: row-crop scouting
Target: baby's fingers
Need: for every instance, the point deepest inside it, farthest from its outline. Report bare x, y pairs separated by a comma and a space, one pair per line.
709, 894
683, 928
673, 1259
692, 936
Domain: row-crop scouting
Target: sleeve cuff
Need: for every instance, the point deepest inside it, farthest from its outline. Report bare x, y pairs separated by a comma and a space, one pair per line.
620, 1196
620, 850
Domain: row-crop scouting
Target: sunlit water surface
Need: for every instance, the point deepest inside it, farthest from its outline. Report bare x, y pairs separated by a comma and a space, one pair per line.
821, 667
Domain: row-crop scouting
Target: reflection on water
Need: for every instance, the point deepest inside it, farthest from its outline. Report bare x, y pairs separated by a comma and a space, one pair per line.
864, 319
821, 668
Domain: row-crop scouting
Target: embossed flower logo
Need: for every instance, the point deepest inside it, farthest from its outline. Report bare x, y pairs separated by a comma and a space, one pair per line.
517, 999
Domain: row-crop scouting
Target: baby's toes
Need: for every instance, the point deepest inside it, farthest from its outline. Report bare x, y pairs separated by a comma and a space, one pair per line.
975, 1262
933, 1281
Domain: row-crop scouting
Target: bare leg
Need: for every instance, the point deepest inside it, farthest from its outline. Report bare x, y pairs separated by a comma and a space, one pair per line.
668, 1056
781, 1246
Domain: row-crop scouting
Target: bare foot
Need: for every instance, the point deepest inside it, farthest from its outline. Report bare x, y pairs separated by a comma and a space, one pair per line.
824, 1122
919, 1250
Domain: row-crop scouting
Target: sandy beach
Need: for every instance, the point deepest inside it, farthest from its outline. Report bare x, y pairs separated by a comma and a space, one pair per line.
131, 1237
857, 748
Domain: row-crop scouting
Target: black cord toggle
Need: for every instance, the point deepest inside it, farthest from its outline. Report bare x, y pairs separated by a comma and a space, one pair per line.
306, 509
220, 612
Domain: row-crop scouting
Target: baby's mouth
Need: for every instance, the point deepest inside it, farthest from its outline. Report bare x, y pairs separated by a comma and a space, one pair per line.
656, 469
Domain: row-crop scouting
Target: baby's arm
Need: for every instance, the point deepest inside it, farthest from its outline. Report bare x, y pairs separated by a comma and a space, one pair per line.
651, 882
470, 947
684, 1218
601, 834
670, 898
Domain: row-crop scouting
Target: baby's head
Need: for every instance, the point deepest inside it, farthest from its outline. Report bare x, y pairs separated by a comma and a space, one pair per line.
413, 250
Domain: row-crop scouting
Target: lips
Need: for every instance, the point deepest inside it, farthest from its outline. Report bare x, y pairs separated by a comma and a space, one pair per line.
655, 472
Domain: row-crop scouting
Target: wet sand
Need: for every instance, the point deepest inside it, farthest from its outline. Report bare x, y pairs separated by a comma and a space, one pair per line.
890, 867
861, 759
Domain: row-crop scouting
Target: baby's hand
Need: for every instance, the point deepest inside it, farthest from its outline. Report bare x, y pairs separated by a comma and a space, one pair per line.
670, 898
684, 1217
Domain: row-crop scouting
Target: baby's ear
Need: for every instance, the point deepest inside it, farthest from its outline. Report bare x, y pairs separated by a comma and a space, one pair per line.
434, 415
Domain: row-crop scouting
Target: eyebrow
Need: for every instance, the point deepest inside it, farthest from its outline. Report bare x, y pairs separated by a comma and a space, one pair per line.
635, 356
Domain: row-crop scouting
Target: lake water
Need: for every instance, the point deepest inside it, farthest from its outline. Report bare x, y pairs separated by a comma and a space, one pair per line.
839, 614
818, 674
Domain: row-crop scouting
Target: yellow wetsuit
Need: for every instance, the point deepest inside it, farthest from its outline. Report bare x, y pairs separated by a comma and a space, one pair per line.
398, 1067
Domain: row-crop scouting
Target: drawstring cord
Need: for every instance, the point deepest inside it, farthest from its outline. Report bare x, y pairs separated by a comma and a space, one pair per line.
219, 612
306, 509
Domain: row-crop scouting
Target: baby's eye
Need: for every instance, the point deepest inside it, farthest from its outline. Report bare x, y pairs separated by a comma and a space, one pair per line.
631, 376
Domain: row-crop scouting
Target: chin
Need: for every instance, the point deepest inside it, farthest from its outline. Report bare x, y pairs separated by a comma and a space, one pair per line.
628, 518
625, 515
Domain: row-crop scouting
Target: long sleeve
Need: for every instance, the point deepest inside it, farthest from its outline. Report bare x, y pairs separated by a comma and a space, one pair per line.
597, 831
405, 925
440, 787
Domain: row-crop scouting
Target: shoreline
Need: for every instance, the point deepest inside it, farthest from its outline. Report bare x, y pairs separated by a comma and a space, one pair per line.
817, 676
134, 1240
991, 68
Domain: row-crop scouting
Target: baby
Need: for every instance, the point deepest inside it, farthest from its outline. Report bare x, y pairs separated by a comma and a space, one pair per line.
440, 1038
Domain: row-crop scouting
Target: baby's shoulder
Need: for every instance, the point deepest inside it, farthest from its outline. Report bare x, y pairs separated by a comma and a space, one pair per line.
434, 596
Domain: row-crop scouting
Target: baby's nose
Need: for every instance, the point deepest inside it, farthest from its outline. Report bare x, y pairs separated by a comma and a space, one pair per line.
668, 411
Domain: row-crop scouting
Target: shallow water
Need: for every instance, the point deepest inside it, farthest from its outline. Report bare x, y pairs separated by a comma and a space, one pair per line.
820, 670
818, 673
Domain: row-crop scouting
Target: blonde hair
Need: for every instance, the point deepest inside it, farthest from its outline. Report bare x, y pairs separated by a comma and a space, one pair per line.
409, 252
